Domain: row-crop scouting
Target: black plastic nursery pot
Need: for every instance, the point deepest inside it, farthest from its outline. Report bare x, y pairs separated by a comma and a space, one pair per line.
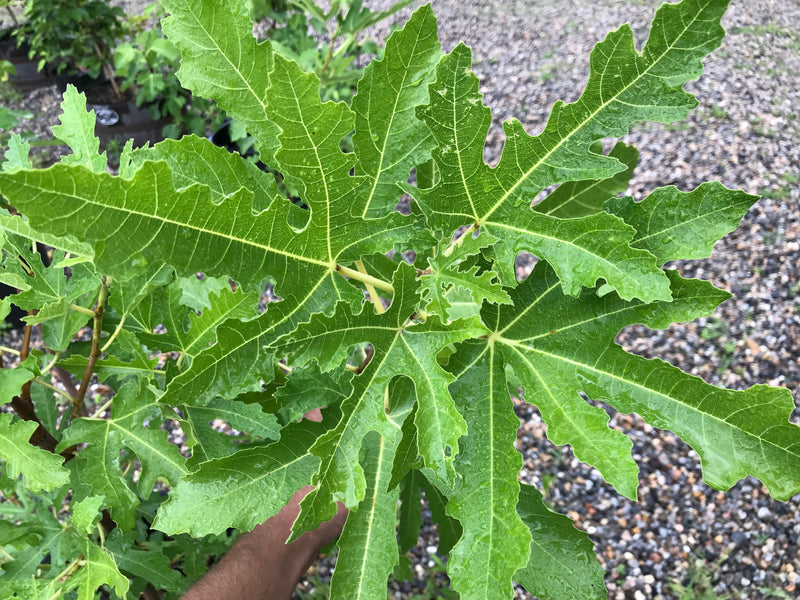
124, 120
83, 82
27, 76
13, 319
222, 138
117, 118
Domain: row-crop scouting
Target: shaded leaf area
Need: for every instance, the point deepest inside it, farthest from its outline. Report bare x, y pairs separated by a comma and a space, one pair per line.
48, 290
129, 360
187, 332
207, 443
62, 542
42, 470
243, 489
17, 224
153, 567
582, 198
12, 380
97, 469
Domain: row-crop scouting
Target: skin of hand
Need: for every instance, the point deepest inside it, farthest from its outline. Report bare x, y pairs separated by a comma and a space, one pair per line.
260, 565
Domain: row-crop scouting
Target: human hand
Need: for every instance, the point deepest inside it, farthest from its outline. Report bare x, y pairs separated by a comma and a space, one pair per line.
261, 565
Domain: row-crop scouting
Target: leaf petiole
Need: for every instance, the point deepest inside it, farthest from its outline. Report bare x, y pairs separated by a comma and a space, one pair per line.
365, 278
373, 295
116, 332
52, 363
80, 309
6, 555
54, 388
96, 414
460, 239
68, 572
285, 368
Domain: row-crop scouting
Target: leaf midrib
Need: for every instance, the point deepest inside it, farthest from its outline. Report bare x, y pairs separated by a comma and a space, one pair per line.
129, 432
566, 415
118, 424
382, 152
613, 267
437, 420
345, 329
165, 221
699, 217
233, 67
370, 529
587, 120
244, 341
44, 471
323, 174
282, 466
220, 318
344, 423
648, 390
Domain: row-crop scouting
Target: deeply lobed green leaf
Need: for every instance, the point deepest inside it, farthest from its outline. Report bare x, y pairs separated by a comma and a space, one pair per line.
562, 564
42, 470
220, 59
414, 397
400, 348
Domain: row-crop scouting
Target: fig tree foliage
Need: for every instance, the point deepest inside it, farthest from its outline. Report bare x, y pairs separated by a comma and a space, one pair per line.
409, 329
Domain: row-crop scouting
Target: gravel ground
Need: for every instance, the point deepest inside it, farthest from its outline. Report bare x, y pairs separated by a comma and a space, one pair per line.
528, 54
